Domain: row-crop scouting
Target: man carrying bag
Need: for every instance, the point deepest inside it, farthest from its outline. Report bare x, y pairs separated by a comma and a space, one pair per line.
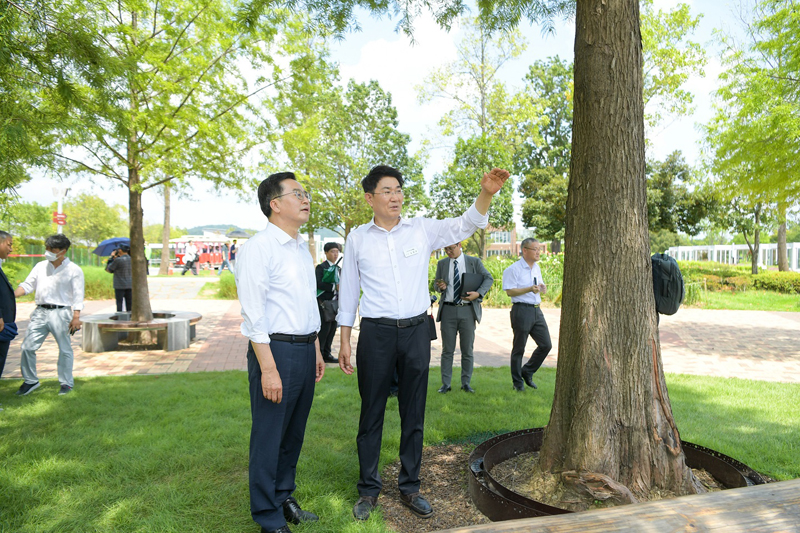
327, 274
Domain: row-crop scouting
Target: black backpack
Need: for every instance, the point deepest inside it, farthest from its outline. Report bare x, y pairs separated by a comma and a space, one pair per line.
667, 284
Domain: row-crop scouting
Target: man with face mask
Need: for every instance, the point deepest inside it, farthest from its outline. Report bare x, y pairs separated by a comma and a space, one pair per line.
59, 284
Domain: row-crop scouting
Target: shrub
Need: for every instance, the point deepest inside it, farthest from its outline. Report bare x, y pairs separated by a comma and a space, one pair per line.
738, 283
227, 287
694, 293
99, 284
783, 282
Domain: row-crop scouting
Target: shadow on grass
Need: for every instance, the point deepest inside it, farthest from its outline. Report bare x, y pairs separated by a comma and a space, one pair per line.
170, 453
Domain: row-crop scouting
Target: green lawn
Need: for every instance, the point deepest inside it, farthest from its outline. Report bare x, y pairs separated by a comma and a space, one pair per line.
750, 300
169, 453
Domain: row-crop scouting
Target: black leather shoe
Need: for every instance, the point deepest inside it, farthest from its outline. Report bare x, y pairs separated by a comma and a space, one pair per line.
364, 507
467, 388
282, 529
418, 505
330, 359
519, 389
528, 381
444, 389
292, 512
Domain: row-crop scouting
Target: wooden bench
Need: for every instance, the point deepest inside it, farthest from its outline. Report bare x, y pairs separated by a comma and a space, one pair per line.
175, 330
772, 507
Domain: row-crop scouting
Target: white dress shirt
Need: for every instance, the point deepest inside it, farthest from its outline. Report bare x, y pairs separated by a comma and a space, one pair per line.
391, 267
276, 285
462, 268
519, 276
56, 286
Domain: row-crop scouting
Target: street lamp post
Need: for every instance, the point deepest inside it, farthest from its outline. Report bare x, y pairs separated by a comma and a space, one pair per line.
60, 193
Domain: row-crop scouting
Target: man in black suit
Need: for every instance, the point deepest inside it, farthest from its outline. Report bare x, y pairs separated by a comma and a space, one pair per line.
8, 303
327, 292
458, 314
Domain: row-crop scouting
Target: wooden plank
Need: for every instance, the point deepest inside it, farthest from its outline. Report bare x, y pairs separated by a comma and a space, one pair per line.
774, 507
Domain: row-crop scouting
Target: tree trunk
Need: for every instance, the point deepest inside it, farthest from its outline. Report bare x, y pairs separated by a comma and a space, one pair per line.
555, 246
141, 310
611, 412
482, 244
312, 245
756, 240
163, 270
783, 256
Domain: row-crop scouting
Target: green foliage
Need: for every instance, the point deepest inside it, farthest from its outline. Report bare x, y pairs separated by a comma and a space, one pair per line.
16, 272
91, 220
25, 220
153, 232
662, 240
226, 288
783, 282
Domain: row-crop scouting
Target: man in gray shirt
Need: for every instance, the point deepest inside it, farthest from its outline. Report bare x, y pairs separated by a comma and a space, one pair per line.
119, 264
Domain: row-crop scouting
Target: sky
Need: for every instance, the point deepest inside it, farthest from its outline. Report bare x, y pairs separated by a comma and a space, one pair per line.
379, 52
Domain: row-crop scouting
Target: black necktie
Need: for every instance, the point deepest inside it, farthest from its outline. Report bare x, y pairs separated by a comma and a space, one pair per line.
456, 283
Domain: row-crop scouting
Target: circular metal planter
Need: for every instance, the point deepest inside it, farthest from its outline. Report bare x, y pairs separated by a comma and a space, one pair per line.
499, 503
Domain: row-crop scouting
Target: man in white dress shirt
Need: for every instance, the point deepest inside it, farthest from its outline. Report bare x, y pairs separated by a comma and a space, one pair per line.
523, 282
59, 285
387, 259
277, 290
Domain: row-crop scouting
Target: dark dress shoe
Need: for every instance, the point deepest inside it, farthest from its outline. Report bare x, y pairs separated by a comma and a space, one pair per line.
330, 359
282, 529
292, 512
364, 507
443, 389
418, 505
467, 388
519, 389
528, 381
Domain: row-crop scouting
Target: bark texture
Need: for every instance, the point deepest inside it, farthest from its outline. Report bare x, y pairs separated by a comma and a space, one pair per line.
141, 310
163, 270
783, 256
611, 414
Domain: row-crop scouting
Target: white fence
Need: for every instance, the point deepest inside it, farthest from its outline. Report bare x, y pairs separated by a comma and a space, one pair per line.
735, 254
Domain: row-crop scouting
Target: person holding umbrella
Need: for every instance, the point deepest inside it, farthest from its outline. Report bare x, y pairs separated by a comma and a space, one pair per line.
119, 264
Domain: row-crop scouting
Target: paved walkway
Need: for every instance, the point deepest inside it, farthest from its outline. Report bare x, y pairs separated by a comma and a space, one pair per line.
758, 345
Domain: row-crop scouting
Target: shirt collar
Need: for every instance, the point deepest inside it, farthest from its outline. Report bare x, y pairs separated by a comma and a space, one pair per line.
371, 224
282, 237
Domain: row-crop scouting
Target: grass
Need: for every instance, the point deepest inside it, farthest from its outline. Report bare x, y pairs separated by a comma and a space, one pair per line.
169, 453
750, 300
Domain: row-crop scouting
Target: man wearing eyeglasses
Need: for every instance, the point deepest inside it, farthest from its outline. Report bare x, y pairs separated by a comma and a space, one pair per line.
387, 259
523, 282
278, 293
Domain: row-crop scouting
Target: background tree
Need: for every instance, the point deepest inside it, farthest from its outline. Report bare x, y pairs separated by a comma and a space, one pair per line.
670, 58
30, 221
455, 190
91, 220
482, 110
179, 106
757, 113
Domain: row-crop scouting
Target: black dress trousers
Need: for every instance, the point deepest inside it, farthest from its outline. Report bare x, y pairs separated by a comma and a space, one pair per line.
276, 436
381, 349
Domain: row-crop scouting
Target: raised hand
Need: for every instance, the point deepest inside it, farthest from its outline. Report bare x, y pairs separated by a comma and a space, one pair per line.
493, 181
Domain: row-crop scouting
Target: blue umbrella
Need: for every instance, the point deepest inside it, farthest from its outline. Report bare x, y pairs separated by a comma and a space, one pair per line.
109, 245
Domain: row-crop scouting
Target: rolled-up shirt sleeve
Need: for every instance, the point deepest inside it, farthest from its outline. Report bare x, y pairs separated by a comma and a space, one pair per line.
452, 230
78, 284
252, 286
29, 285
349, 284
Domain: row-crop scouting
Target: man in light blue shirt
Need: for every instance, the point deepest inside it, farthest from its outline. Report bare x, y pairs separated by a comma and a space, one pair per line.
523, 282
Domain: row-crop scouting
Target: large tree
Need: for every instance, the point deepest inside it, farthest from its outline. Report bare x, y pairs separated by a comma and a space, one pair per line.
611, 413
178, 106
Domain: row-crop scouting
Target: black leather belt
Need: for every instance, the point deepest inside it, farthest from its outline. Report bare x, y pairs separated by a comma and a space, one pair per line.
526, 305
297, 339
51, 306
398, 322
457, 305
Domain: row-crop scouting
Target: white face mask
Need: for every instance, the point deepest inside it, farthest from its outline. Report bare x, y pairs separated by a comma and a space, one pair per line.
51, 256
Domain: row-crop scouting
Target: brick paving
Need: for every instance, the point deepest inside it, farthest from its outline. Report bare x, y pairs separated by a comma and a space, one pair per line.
758, 345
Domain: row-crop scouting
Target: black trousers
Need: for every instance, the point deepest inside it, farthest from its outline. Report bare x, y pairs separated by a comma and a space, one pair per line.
327, 332
276, 436
126, 295
3, 354
527, 320
382, 349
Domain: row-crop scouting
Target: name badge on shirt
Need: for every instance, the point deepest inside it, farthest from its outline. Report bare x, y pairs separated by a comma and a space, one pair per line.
410, 252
